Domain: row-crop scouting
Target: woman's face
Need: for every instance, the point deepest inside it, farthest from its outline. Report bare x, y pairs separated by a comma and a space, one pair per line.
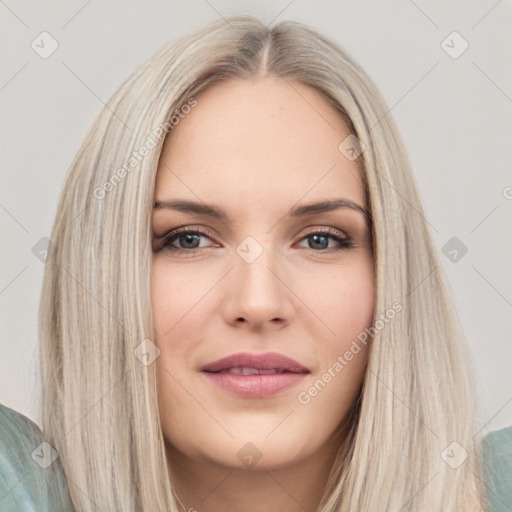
259, 280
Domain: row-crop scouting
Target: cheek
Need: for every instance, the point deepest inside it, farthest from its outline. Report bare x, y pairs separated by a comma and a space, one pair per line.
178, 318
173, 296
345, 306
356, 305
343, 301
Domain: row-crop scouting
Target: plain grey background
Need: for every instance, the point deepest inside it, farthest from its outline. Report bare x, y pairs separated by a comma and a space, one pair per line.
452, 104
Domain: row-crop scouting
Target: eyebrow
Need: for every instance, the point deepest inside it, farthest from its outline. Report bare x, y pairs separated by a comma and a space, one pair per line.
187, 206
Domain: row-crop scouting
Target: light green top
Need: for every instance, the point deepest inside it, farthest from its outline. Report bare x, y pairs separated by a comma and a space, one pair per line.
31, 477
32, 480
497, 448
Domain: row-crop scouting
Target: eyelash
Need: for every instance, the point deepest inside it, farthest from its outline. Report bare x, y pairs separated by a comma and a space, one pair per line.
344, 242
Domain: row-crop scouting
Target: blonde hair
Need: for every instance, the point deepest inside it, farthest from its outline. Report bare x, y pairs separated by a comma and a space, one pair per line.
99, 404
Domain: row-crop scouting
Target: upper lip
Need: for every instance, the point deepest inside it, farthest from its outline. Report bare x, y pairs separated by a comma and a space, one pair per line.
268, 361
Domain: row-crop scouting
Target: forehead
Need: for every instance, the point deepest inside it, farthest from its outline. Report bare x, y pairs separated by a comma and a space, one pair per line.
268, 140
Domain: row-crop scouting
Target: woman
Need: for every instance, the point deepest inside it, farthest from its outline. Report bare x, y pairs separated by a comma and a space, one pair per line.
303, 353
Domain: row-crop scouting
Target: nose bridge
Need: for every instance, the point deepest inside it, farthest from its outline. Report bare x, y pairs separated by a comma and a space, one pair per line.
255, 259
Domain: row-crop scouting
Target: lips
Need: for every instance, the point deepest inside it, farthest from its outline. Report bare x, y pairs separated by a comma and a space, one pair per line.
255, 375
245, 363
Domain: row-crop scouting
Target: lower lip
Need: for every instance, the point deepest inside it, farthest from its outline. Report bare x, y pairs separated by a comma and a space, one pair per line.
255, 386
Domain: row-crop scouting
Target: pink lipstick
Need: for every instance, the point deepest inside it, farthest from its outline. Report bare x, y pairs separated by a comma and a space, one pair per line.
255, 375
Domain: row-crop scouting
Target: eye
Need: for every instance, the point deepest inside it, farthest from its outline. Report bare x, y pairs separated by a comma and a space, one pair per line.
320, 240
189, 240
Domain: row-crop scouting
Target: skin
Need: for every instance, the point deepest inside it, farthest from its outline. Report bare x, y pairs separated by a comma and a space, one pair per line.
256, 148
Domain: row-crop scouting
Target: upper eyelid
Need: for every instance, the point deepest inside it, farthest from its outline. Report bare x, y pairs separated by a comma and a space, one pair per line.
209, 234
185, 229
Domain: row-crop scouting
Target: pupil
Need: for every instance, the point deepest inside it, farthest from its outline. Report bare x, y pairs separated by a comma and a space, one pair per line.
189, 238
316, 237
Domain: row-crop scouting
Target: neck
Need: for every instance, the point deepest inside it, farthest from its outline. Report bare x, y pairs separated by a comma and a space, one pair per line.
207, 486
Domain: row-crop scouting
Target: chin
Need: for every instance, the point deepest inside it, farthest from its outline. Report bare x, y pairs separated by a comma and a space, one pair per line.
255, 452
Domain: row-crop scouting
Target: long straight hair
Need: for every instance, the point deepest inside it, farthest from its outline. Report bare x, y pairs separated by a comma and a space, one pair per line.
99, 403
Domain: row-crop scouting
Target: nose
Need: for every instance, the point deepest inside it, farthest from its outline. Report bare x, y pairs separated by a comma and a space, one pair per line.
257, 293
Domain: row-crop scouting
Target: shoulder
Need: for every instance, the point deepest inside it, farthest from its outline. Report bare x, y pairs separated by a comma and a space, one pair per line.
31, 478
16, 430
497, 452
